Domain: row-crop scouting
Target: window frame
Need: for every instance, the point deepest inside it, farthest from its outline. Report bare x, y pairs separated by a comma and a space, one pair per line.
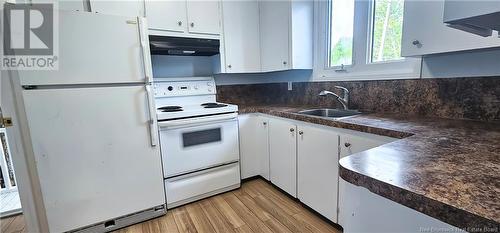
329, 45
361, 68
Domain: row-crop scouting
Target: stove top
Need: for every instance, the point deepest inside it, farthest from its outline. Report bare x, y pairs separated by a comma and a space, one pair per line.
170, 109
169, 112
188, 97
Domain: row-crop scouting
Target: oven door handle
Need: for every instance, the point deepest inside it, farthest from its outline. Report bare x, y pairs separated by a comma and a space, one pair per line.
196, 121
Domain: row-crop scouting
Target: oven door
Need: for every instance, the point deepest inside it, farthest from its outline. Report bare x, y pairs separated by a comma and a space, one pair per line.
193, 144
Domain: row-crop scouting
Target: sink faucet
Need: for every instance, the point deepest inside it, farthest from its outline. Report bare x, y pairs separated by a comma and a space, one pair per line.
344, 100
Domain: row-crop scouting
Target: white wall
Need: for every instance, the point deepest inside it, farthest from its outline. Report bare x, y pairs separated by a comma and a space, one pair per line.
463, 64
182, 66
271, 77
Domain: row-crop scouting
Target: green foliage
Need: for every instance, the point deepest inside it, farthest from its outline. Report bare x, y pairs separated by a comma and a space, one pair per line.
390, 47
341, 53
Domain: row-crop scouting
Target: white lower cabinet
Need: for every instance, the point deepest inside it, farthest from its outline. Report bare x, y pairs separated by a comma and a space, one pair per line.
364, 211
351, 143
283, 155
262, 146
301, 158
254, 146
317, 164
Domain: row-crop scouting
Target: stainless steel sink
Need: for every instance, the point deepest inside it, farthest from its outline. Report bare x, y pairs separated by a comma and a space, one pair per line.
327, 112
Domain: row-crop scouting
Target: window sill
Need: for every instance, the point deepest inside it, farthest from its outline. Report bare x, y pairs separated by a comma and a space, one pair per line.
331, 75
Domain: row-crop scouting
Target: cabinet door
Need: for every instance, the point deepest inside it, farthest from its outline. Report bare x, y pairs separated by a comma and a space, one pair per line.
166, 15
61, 4
274, 35
241, 36
351, 144
317, 165
204, 17
117, 7
262, 145
249, 152
254, 146
282, 155
425, 33
364, 211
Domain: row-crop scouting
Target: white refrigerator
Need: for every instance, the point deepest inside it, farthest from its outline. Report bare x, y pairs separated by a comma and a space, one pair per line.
92, 126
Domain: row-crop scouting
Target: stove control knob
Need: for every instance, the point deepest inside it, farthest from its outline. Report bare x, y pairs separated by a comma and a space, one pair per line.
209, 84
195, 87
170, 88
209, 89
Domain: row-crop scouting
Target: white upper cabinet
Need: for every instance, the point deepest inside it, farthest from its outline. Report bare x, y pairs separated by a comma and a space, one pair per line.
69, 5
286, 35
274, 35
241, 36
166, 15
425, 33
184, 18
204, 17
117, 7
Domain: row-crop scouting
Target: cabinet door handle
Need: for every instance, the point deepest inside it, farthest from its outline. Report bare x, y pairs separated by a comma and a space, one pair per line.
284, 62
264, 123
292, 130
417, 43
192, 25
179, 23
301, 132
229, 66
347, 144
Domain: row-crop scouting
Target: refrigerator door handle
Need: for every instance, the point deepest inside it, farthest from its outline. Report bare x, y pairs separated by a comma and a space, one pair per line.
146, 54
152, 121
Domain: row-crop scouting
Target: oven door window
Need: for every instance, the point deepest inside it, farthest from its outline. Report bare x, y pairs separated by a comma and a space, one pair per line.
201, 137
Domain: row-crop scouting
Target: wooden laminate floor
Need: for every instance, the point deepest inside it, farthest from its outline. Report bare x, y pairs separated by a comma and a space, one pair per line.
14, 224
256, 207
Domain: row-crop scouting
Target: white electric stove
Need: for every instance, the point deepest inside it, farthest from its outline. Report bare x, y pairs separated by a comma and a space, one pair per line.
199, 139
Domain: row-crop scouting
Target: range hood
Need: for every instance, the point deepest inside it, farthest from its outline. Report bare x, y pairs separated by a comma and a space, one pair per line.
480, 17
177, 46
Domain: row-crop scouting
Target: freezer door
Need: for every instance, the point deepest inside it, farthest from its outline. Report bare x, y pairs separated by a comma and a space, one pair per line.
93, 153
96, 49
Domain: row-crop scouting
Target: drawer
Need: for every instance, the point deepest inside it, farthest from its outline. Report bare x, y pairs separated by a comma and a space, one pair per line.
191, 187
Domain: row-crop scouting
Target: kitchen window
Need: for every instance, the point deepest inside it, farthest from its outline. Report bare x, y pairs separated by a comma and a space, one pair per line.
387, 29
361, 40
341, 19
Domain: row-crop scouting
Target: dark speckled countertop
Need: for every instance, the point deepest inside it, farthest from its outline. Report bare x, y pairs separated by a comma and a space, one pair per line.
448, 169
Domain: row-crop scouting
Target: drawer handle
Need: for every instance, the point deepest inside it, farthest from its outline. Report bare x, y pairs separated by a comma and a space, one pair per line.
347, 144
292, 130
